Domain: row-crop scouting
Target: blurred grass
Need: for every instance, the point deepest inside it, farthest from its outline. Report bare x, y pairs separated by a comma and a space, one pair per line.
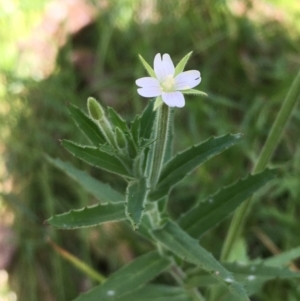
248, 55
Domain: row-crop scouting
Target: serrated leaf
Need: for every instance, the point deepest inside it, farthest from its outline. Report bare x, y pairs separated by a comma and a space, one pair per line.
136, 194
180, 66
117, 120
208, 214
97, 157
102, 192
89, 128
185, 162
128, 279
154, 292
147, 67
88, 216
181, 244
194, 92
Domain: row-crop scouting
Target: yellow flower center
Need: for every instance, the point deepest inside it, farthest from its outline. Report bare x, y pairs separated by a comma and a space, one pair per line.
169, 84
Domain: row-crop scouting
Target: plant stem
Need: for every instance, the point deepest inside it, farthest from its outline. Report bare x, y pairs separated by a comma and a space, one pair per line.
161, 135
178, 274
239, 218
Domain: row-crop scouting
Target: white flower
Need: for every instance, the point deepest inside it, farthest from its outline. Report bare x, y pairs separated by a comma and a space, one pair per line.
167, 82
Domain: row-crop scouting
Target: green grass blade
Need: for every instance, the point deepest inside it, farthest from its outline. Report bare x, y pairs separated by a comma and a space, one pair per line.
283, 258
181, 244
185, 162
135, 201
128, 279
89, 128
88, 216
97, 157
208, 214
102, 192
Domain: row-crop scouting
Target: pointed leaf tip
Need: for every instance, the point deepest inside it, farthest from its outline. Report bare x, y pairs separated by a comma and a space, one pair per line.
180, 66
147, 67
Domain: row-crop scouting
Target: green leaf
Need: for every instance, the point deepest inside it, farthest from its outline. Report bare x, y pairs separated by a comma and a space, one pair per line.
87, 126
194, 92
147, 67
188, 248
135, 201
154, 292
102, 192
128, 279
208, 214
185, 162
146, 121
88, 216
254, 276
117, 120
97, 157
135, 130
180, 66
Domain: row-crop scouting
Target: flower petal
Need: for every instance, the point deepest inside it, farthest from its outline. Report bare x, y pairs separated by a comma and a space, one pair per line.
174, 99
187, 80
149, 87
163, 67
147, 82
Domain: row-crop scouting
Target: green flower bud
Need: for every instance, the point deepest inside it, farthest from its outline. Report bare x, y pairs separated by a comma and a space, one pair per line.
120, 138
95, 110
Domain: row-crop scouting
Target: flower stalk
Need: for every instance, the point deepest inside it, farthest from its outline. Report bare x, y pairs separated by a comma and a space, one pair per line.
160, 136
239, 218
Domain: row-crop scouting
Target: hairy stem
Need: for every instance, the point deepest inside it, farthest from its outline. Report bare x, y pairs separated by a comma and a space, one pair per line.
161, 135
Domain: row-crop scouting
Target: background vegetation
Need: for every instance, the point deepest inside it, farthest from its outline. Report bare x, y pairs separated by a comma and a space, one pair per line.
248, 53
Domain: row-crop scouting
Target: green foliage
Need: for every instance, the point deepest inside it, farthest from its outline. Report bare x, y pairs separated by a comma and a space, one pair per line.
246, 82
88, 216
147, 121
214, 209
102, 192
128, 279
157, 293
147, 67
117, 120
181, 244
185, 162
97, 157
180, 66
252, 275
87, 125
135, 201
